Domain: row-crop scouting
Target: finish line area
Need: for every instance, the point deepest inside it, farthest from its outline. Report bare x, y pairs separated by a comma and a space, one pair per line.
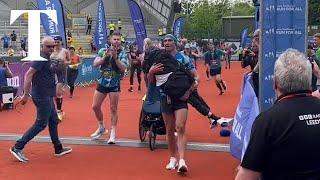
207, 152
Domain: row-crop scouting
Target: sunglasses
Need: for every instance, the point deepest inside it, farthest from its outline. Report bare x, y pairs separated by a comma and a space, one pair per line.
50, 46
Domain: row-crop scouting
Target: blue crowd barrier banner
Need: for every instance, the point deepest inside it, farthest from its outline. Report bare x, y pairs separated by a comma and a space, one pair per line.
87, 73
17, 79
18, 70
246, 113
283, 26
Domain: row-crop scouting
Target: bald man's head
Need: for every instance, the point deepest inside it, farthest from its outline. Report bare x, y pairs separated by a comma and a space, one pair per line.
47, 39
47, 45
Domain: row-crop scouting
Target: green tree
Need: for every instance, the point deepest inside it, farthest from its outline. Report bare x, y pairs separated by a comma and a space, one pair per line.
314, 12
242, 9
204, 18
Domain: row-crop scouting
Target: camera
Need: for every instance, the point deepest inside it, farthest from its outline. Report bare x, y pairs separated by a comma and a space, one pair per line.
249, 60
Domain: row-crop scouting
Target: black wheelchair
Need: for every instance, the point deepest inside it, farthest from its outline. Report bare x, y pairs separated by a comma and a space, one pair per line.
151, 122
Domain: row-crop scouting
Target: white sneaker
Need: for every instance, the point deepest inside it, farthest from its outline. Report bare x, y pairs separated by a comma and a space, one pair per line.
213, 123
61, 115
182, 168
227, 121
98, 133
112, 139
172, 164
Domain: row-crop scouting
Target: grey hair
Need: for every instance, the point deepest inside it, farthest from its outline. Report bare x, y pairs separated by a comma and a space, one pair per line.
256, 32
46, 38
147, 43
317, 35
292, 72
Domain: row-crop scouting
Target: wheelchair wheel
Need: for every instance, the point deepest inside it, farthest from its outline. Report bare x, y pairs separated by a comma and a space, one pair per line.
142, 130
152, 138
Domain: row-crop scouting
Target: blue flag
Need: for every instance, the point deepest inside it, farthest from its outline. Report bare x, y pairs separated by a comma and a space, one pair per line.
100, 35
178, 27
243, 37
257, 17
51, 28
248, 42
246, 113
138, 23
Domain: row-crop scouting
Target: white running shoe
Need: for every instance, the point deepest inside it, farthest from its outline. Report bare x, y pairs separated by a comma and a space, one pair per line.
172, 163
98, 133
213, 123
61, 115
182, 168
112, 139
227, 121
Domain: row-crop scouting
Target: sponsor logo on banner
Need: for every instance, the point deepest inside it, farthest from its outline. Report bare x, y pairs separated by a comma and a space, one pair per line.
247, 111
14, 82
178, 27
283, 26
86, 69
53, 28
100, 36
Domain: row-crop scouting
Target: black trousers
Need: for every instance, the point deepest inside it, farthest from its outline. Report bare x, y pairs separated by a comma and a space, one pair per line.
88, 29
72, 75
198, 103
133, 68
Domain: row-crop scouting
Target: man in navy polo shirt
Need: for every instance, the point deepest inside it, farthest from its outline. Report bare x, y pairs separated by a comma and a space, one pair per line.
284, 141
41, 76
